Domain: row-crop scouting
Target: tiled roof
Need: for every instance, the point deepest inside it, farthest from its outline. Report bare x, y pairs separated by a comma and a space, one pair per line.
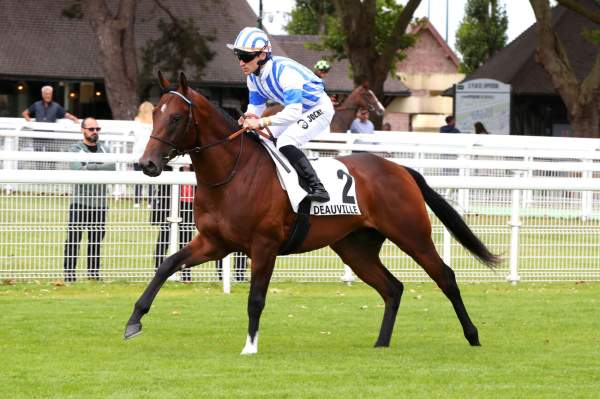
37, 41
41, 42
516, 65
338, 79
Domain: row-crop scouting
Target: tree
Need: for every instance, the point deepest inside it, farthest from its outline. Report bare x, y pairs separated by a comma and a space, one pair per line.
582, 99
310, 17
481, 33
116, 40
179, 44
369, 33
115, 32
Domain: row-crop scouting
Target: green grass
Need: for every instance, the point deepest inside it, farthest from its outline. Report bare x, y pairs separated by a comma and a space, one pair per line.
539, 341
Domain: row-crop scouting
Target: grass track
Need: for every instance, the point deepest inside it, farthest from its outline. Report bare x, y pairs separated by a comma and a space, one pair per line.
539, 341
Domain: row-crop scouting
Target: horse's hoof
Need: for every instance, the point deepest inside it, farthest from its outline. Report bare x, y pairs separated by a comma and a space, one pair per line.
249, 351
132, 330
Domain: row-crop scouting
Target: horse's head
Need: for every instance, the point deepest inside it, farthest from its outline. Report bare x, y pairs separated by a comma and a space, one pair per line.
174, 126
363, 97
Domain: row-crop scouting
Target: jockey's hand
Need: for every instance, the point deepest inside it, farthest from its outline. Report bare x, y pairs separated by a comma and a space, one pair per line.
246, 116
252, 123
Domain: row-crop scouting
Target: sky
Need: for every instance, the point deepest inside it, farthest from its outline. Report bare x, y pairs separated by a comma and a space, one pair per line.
520, 15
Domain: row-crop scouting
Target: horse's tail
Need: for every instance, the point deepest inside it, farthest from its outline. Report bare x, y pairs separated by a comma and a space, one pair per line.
454, 222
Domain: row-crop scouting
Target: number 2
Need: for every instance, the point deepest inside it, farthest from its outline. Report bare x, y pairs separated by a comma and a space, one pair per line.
346, 199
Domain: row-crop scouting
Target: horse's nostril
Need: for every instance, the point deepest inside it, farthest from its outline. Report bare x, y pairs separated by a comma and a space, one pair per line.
150, 168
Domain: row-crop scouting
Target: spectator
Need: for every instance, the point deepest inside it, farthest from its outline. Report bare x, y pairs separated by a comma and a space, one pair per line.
386, 127
449, 127
480, 129
47, 110
362, 124
187, 226
161, 209
142, 135
88, 207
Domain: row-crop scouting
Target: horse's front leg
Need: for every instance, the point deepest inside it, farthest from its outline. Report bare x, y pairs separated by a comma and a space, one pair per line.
262, 269
196, 252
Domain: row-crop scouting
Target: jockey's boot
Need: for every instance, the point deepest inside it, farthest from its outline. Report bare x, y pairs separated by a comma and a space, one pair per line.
306, 172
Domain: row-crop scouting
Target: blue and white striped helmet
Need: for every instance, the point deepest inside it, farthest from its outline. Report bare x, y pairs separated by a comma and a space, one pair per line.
251, 40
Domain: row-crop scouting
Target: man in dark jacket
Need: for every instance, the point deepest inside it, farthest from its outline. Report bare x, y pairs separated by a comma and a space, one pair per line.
449, 127
88, 207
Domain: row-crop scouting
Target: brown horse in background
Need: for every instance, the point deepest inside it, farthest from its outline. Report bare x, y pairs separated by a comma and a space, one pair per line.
240, 206
345, 113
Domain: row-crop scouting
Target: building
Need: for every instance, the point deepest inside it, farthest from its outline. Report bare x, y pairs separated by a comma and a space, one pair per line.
537, 108
42, 46
429, 68
39, 46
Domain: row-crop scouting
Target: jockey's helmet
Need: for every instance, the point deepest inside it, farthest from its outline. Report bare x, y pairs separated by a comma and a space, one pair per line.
251, 41
323, 66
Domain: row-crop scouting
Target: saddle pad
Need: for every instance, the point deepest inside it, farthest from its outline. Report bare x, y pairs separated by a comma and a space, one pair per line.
333, 174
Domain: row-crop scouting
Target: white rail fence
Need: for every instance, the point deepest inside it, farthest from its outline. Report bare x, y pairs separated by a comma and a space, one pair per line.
534, 200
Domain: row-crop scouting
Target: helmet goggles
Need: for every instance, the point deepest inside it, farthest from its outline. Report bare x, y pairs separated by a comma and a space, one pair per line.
246, 56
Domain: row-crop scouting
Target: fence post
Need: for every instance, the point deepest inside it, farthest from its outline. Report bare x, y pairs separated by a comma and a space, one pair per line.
515, 224
463, 193
447, 248
347, 277
226, 274
174, 219
587, 197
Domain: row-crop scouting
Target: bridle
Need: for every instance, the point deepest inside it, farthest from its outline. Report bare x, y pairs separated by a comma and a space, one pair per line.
198, 148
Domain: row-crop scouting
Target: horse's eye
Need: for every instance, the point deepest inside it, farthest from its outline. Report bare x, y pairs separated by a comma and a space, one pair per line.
175, 118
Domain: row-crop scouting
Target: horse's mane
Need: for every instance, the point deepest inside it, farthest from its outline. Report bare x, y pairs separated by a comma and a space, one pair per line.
232, 123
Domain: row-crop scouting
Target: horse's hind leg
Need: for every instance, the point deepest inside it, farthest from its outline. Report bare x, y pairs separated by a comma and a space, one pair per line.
360, 251
425, 254
190, 255
446, 280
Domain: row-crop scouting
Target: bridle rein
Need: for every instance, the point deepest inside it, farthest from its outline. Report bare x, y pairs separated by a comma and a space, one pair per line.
198, 148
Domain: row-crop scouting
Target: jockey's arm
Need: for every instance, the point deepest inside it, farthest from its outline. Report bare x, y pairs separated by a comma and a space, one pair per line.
256, 109
290, 114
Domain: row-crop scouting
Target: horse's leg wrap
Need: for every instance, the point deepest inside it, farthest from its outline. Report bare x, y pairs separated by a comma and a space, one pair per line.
306, 172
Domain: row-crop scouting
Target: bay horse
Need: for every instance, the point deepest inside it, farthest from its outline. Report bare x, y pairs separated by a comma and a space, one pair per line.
240, 207
361, 97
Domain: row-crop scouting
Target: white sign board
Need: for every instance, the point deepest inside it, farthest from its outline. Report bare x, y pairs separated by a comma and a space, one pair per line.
482, 100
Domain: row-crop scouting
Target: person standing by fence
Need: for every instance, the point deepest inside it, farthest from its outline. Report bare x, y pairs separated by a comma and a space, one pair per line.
161, 209
187, 226
47, 110
362, 124
450, 126
88, 207
142, 135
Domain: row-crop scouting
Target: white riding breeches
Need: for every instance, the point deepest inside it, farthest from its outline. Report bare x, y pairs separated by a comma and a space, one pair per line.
313, 122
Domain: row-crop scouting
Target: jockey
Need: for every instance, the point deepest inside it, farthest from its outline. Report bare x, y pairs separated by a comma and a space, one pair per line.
322, 68
307, 109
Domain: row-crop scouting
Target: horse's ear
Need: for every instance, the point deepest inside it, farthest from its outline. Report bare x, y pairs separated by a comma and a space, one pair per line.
183, 83
164, 83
